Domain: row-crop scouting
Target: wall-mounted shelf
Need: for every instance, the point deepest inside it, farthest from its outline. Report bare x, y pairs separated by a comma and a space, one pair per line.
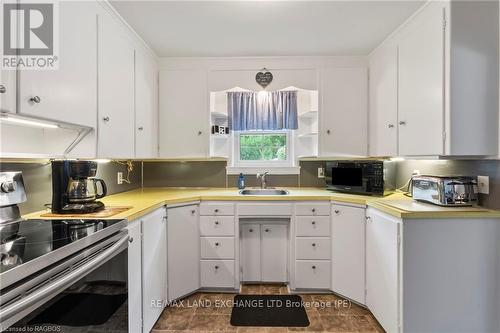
308, 114
220, 115
307, 135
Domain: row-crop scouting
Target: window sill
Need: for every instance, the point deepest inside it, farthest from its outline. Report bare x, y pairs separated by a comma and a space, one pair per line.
272, 170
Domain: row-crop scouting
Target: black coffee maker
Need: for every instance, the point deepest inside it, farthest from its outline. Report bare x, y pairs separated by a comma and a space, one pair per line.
74, 188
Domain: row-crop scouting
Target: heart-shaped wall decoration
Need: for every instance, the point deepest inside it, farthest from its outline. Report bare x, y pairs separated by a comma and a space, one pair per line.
264, 78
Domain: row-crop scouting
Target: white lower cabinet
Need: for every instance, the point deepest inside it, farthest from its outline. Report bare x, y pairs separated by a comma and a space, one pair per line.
134, 277
264, 252
217, 273
382, 268
311, 274
154, 266
183, 251
348, 251
217, 247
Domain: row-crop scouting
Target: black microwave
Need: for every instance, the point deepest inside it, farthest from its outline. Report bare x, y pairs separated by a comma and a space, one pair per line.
369, 177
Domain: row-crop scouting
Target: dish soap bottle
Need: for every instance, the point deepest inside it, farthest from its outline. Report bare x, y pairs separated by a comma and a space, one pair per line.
241, 181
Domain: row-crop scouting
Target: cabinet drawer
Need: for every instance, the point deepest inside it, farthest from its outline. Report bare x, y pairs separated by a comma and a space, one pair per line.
313, 209
265, 209
313, 248
312, 274
217, 225
217, 247
312, 226
217, 273
216, 209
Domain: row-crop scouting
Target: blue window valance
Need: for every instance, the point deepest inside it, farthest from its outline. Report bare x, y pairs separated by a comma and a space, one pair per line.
249, 110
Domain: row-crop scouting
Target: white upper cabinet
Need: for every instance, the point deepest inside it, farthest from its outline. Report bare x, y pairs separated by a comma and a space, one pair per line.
184, 119
421, 86
383, 113
7, 91
447, 83
343, 115
68, 93
146, 106
116, 90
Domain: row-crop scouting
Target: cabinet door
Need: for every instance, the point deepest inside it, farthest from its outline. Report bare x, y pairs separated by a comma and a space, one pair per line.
382, 269
250, 252
383, 115
116, 91
344, 114
69, 93
135, 277
421, 85
154, 265
146, 106
274, 249
184, 119
7, 91
348, 237
183, 251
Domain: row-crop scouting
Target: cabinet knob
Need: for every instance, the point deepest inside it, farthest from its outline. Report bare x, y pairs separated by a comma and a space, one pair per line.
216, 267
193, 211
130, 239
313, 210
217, 244
200, 132
313, 267
328, 132
337, 211
313, 244
390, 125
267, 230
35, 99
3, 90
106, 119
216, 222
402, 123
368, 219
313, 222
216, 210
251, 230
140, 128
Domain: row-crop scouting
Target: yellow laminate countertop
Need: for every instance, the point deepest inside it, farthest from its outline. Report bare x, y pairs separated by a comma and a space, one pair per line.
146, 200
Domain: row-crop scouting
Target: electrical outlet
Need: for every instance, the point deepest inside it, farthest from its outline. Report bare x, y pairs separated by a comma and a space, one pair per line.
483, 184
321, 172
119, 178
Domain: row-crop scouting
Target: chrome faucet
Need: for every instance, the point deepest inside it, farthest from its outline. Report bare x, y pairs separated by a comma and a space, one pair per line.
262, 177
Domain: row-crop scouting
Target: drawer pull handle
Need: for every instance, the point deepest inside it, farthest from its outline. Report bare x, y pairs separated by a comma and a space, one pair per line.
216, 210
193, 211
313, 210
216, 267
216, 244
313, 222
313, 244
267, 230
251, 230
337, 211
313, 267
131, 239
216, 222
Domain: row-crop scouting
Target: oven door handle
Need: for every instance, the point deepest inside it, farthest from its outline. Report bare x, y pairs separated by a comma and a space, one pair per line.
63, 282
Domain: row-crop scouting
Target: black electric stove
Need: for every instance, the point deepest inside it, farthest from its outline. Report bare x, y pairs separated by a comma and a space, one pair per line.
41, 243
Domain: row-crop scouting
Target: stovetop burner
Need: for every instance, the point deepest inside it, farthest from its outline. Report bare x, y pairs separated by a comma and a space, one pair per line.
36, 238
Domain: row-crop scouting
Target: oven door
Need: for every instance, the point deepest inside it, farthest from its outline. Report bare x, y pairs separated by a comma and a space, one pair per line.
87, 289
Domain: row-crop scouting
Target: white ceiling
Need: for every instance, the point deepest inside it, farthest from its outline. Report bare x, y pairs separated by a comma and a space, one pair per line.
264, 28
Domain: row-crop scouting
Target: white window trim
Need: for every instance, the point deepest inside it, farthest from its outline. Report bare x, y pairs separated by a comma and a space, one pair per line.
287, 166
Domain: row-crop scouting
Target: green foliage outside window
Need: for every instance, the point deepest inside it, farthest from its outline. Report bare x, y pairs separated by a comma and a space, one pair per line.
263, 147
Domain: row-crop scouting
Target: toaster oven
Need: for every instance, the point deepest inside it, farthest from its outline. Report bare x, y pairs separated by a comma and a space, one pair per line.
445, 191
